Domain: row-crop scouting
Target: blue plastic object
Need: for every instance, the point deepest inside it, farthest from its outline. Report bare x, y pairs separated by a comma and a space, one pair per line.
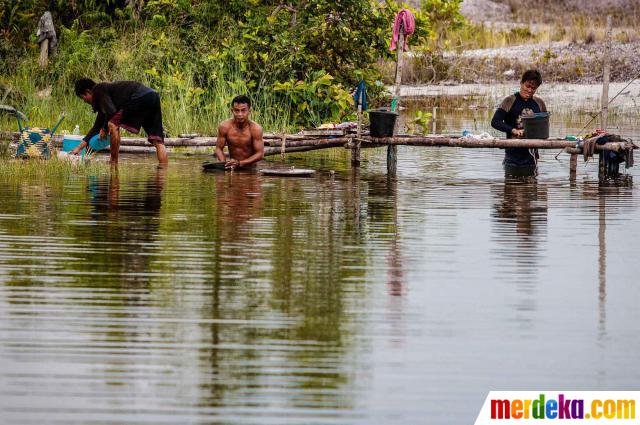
98, 144
70, 141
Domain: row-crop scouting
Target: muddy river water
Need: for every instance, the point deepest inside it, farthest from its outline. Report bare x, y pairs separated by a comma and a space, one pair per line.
174, 296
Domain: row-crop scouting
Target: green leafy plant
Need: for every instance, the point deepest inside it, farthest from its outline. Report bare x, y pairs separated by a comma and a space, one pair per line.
315, 98
419, 123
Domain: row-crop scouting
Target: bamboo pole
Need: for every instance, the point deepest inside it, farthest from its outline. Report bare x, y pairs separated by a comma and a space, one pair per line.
460, 142
268, 151
392, 151
368, 142
355, 150
277, 151
606, 71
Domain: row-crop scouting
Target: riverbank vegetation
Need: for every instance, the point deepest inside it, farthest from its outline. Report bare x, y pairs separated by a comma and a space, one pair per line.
297, 60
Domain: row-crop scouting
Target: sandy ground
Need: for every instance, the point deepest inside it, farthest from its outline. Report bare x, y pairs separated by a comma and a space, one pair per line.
484, 10
577, 62
561, 95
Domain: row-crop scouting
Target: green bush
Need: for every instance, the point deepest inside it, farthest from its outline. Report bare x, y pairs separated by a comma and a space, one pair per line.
299, 57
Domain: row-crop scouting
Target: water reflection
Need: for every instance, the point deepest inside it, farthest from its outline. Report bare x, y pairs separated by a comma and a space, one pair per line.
128, 223
172, 295
523, 206
520, 214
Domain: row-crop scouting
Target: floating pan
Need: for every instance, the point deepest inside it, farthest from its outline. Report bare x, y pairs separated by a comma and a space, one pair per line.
212, 166
288, 172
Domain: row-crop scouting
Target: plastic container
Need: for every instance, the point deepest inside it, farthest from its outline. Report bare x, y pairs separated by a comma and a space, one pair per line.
536, 126
382, 123
70, 141
98, 144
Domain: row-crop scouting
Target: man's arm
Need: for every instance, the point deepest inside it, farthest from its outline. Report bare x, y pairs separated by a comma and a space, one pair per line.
498, 123
220, 142
258, 147
97, 126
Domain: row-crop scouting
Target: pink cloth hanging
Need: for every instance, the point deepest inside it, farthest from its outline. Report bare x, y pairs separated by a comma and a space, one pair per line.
408, 21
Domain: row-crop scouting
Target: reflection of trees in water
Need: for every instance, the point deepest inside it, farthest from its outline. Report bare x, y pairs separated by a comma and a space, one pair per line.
277, 252
37, 208
613, 197
382, 208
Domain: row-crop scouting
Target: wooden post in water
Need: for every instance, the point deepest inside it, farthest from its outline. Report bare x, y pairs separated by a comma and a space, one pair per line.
392, 151
434, 115
606, 71
283, 145
573, 165
355, 150
604, 99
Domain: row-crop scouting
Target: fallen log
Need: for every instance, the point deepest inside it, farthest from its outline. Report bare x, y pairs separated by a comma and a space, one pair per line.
268, 151
307, 142
460, 142
366, 142
276, 151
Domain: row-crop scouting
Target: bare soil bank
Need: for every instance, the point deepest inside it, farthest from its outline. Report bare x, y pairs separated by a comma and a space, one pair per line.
578, 58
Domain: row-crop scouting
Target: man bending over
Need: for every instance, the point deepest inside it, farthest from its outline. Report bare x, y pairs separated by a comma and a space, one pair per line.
126, 104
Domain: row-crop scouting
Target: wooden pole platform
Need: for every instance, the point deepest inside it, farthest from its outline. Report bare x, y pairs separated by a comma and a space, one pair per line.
348, 141
277, 144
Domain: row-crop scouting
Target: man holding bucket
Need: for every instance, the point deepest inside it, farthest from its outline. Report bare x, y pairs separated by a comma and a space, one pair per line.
509, 116
126, 104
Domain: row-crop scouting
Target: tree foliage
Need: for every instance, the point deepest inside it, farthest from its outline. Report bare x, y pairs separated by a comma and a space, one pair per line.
300, 50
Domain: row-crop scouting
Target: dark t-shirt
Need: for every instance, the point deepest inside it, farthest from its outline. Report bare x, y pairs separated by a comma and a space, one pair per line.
109, 98
509, 116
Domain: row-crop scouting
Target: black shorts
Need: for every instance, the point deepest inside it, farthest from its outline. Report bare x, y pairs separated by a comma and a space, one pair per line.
144, 112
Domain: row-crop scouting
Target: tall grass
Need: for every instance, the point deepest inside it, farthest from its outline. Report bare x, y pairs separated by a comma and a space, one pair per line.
17, 169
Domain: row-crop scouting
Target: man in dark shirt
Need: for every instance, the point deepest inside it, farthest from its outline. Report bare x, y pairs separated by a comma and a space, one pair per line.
126, 104
508, 118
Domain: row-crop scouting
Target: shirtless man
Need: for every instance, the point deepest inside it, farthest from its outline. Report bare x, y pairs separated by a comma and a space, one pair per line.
243, 136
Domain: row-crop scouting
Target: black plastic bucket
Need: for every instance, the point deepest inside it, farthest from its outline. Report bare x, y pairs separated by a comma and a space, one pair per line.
382, 123
536, 126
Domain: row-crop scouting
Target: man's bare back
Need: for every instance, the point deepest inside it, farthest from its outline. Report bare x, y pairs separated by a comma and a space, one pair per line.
242, 136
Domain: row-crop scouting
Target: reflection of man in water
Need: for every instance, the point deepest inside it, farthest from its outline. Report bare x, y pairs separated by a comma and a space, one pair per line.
243, 136
128, 219
239, 198
508, 118
524, 203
